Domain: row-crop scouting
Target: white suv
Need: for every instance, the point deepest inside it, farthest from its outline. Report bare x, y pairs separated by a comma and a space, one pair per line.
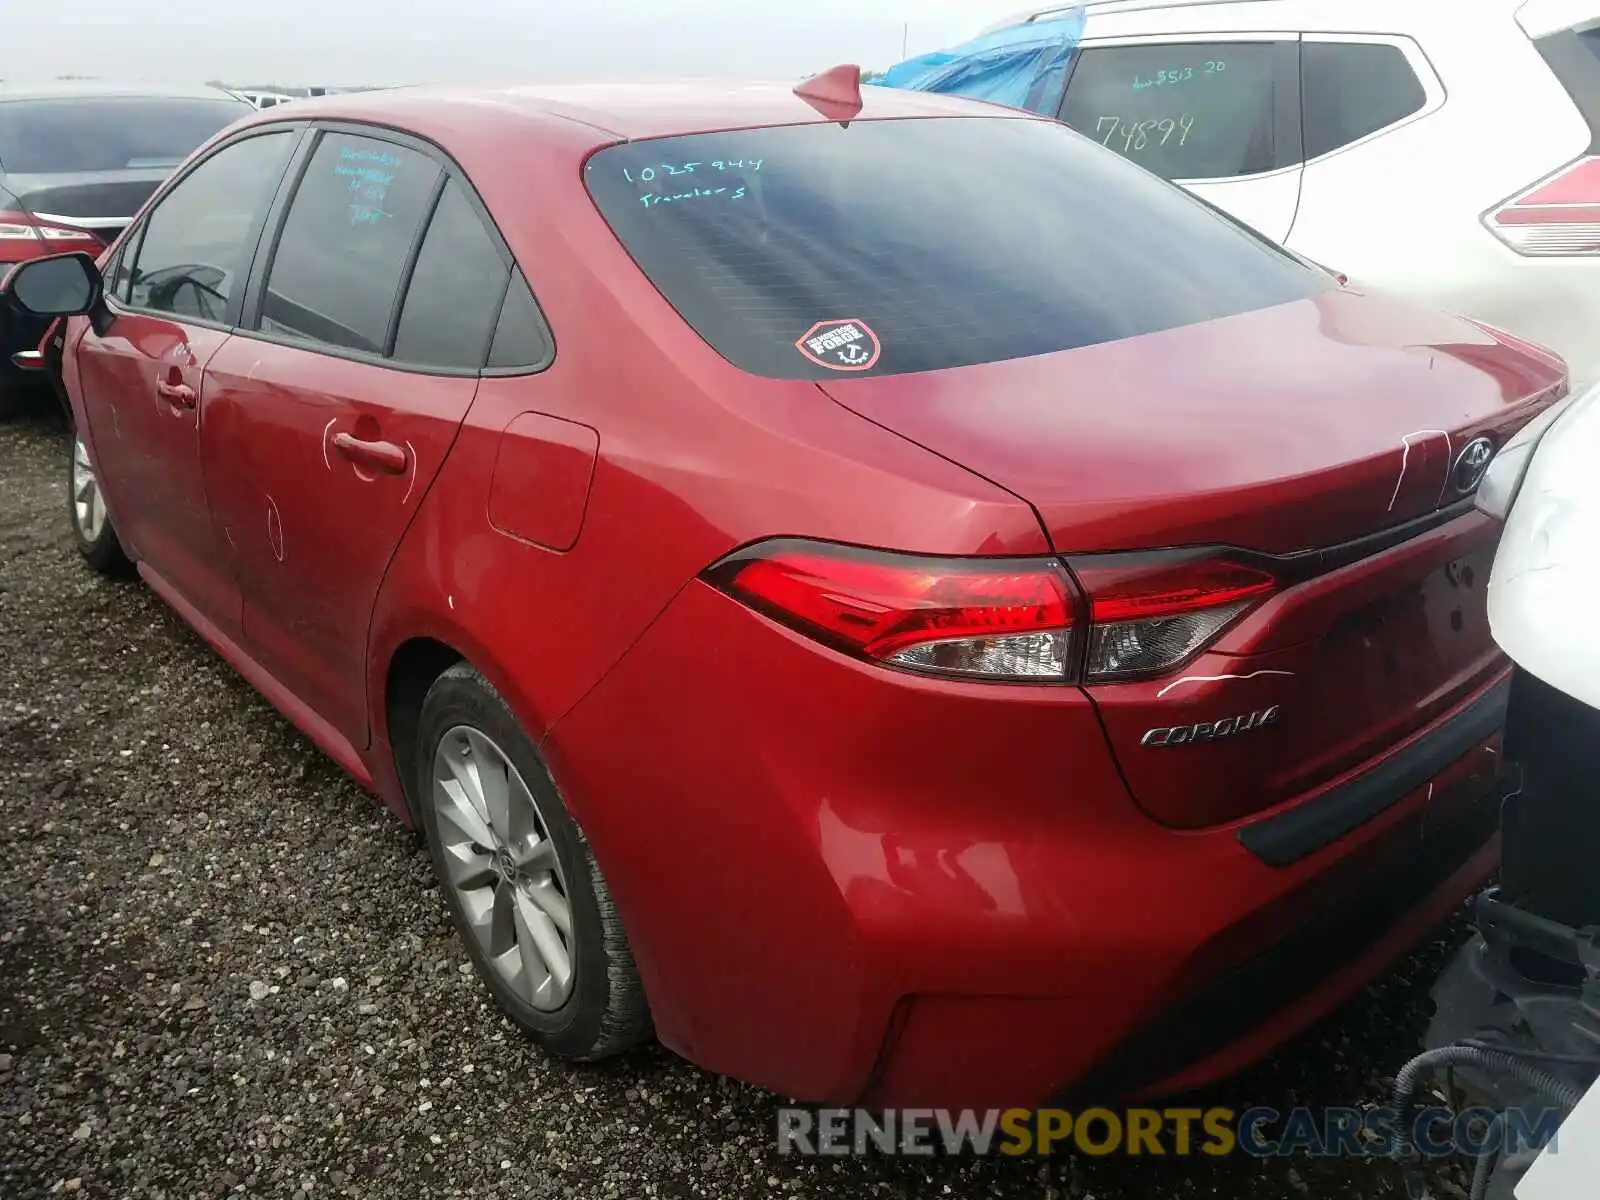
1447, 149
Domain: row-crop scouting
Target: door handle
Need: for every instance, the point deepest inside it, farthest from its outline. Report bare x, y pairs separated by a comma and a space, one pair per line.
179, 395
378, 456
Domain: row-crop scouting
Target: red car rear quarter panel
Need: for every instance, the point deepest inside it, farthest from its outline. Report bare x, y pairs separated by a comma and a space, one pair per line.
679, 481
692, 458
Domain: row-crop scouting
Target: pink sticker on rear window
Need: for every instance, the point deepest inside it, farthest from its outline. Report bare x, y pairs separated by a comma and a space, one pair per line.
842, 345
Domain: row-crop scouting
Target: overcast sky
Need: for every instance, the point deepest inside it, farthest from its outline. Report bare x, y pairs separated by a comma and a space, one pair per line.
455, 41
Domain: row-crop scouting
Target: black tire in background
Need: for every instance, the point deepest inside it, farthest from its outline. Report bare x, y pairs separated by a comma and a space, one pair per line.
606, 1011
14, 399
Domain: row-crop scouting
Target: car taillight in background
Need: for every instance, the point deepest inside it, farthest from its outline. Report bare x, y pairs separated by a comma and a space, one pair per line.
1559, 216
22, 237
1016, 619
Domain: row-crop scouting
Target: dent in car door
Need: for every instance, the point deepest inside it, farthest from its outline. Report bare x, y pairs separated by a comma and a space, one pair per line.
172, 298
1217, 114
325, 428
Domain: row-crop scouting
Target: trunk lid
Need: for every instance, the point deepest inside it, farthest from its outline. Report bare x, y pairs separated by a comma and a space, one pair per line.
1303, 427
1295, 427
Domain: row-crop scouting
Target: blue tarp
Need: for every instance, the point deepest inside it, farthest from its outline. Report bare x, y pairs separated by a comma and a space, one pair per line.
1024, 66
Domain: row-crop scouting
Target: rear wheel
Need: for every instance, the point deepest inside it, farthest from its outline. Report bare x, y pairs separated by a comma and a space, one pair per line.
523, 887
91, 523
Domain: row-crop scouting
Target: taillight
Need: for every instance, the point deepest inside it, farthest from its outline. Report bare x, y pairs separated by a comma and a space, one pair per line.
1152, 612
987, 618
22, 227
999, 618
1557, 217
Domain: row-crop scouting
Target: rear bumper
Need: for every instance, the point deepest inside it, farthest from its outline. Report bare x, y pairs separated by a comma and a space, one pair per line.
851, 885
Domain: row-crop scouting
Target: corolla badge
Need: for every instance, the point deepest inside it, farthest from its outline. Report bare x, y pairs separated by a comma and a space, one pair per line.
1211, 731
1471, 463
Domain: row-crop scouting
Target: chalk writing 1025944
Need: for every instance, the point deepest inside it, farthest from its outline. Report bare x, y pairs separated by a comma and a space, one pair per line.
657, 171
1130, 137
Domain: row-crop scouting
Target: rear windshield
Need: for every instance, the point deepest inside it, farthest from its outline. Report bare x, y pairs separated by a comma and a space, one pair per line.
87, 134
895, 246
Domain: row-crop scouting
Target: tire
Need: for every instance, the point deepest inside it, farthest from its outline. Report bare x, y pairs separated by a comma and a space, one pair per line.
92, 529
13, 399
506, 886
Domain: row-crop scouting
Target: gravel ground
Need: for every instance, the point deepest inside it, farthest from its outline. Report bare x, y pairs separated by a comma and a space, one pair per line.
223, 968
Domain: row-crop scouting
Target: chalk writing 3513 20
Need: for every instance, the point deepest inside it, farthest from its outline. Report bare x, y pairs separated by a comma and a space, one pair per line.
1211, 67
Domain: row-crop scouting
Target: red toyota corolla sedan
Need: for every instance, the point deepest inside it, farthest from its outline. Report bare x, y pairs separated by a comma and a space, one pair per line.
887, 594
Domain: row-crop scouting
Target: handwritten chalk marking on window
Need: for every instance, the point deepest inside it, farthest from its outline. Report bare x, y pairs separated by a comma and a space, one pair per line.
383, 158
1166, 78
651, 173
655, 201
1177, 75
364, 174
1130, 137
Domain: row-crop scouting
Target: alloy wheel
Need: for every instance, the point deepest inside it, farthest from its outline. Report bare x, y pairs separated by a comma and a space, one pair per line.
502, 867
88, 505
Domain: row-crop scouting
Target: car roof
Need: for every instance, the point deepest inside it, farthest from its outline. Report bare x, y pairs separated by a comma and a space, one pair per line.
1199, 15
619, 111
81, 89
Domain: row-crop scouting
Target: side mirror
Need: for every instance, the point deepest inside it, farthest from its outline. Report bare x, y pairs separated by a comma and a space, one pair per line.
63, 285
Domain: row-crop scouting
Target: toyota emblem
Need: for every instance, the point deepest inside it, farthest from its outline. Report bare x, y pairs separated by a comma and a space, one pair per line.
1471, 463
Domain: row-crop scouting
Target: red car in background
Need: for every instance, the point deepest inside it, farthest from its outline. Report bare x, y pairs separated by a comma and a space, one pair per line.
884, 592
77, 160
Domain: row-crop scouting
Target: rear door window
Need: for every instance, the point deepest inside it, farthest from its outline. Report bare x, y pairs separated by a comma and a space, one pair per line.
521, 341
1185, 110
917, 245
455, 290
346, 242
1351, 89
196, 244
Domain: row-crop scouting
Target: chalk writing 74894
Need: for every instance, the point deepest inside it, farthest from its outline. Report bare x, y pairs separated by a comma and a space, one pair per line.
1130, 137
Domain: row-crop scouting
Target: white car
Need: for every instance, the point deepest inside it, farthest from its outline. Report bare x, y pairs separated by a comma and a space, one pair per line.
1527, 985
1445, 149
265, 99
1547, 568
